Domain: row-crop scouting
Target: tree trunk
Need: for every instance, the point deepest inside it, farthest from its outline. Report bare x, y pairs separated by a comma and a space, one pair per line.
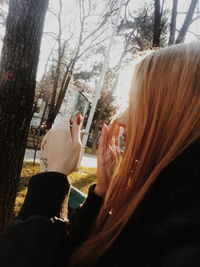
97, 128
55, 108
61, 96
187, 22
157, 23
19, 61
95, 140
44, 113
95, 135
36, 142
58, 104
173, 23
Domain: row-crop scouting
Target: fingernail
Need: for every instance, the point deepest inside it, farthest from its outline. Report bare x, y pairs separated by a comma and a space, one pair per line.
78, 119
70, 123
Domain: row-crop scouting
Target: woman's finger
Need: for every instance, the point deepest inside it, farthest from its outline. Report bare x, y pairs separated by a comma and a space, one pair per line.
103, 141
110, 131
113, 131
76, 129
64, 124
62, 130
100, 148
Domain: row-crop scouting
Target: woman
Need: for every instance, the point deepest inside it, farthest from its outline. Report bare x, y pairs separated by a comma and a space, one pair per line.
144, 209
150, 215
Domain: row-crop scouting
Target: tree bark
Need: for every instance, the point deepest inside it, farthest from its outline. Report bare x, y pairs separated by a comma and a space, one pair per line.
187, 22
19, 61
95, 139
173, 23
157, 23
44, 113
96, 129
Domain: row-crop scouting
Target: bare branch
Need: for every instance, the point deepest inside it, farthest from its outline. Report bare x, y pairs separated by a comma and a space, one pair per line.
82, 21
187, 22
194, 19
47, 62
196, 35
92, 46
94, 31
173, 22
162, 8
51, 34
53, 13
89, 9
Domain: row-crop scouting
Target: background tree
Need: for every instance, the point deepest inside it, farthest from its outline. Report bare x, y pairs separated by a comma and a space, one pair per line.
106, 105
187, 22
138, 29
105, 110
173, 23
34, 139
3, 15
19, 61
158, 25
88, 38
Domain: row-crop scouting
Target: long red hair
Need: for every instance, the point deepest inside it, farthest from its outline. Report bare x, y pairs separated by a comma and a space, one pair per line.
164, 118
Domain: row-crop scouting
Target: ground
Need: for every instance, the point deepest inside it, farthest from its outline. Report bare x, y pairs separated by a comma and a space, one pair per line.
80, 180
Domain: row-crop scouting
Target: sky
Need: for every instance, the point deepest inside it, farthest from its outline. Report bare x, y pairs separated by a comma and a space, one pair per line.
126, 72
70, 14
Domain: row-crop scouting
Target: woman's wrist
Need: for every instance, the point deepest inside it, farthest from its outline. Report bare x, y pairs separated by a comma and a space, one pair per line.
58, 169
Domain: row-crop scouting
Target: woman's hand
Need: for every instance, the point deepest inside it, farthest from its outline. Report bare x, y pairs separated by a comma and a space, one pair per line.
108, 154
61, 147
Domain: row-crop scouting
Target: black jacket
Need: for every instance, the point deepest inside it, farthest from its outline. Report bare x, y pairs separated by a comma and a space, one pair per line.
165, 229
163, 232
42, 235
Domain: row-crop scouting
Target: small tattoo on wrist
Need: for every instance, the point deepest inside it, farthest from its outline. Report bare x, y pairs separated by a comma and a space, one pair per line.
45, 163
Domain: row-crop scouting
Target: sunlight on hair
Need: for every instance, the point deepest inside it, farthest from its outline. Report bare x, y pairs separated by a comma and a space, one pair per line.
125, 79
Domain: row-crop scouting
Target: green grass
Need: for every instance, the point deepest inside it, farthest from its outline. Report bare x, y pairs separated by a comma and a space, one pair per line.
81, 179
89, 151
